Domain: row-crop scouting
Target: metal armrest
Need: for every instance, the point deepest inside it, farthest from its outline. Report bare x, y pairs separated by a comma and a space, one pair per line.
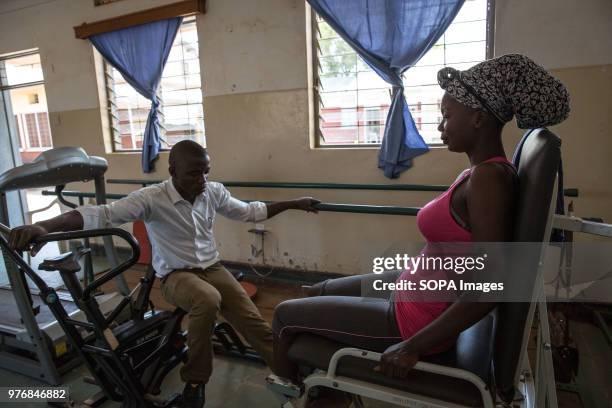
286, 392
390, 394
576, 224
421, 366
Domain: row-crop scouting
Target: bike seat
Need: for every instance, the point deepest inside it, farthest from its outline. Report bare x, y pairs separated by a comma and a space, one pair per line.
67, 262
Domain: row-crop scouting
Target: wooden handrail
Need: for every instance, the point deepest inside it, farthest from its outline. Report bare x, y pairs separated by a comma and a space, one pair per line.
180, 9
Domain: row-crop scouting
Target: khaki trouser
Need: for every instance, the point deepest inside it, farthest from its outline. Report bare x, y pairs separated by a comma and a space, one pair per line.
203, 294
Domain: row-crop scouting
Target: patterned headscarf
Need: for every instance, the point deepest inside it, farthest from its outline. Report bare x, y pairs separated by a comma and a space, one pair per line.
510, 85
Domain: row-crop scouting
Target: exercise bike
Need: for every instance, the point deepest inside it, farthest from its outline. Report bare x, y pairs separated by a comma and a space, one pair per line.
127, 360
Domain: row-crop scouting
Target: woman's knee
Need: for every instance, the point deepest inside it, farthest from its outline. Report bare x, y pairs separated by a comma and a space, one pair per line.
284, 314
318, 289
344, 286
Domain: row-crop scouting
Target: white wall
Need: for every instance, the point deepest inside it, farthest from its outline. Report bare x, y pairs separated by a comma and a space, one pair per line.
67, 62
556, 33
253, 46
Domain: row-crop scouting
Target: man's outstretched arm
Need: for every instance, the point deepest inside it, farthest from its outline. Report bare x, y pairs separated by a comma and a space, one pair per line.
255, 211
22, 237
131, 208
305, 204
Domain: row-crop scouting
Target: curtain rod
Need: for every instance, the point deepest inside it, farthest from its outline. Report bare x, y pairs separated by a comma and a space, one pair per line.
180, 9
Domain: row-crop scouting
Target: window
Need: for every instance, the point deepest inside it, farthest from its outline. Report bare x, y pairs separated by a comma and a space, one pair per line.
372, 125
180, 112
21, 77
353, 101
25, 100
34, 132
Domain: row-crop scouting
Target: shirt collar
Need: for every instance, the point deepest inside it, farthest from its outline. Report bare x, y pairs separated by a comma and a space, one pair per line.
175, 197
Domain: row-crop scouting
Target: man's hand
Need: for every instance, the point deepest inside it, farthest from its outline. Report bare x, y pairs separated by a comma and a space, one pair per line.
397, 360
304, 203
21, 238
307, 204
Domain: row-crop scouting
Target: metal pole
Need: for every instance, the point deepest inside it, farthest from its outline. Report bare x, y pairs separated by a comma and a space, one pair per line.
111, 251
88, 273
45, 367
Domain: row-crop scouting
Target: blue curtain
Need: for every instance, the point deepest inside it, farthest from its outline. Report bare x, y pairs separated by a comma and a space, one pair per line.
390, 36
140, 53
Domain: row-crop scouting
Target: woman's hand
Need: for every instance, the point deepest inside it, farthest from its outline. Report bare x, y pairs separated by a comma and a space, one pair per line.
398, 360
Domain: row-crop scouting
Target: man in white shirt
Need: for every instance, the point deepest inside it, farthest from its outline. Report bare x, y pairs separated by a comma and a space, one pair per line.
179, 214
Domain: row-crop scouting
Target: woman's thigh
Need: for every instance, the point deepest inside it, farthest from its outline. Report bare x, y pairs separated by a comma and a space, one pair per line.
363, 323
357, 285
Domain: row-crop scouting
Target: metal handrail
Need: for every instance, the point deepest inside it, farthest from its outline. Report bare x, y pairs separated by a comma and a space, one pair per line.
327, 207
83, 194
569, 192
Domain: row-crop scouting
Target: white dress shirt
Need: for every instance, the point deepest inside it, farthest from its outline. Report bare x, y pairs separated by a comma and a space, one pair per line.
181, 234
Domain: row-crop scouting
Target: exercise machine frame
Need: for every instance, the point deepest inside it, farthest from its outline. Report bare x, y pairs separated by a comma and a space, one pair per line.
110, 353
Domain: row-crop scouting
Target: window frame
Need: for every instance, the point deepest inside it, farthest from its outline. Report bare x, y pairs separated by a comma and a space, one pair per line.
315, 83
20, 120
24, 133
112, 108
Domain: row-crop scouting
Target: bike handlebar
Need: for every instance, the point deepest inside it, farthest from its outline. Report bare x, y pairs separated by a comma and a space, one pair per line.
63, 236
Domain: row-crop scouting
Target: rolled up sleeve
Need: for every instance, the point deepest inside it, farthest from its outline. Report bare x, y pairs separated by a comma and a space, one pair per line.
235, 209
91, 216
128, 209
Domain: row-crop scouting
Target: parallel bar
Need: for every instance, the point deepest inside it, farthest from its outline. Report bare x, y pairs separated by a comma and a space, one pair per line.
563, 222
330, 207
368, 209
329, 186
569, 192
83, 194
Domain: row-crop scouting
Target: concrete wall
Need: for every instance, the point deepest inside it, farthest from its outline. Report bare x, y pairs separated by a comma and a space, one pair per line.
254, 71
558, 34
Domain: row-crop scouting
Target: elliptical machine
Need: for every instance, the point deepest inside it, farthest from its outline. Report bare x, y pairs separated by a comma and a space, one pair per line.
128, 360
32, 343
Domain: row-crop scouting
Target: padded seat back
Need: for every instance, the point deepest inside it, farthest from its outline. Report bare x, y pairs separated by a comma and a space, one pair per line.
537, 171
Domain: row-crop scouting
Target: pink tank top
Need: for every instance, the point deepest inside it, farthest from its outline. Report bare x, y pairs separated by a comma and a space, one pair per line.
435, 221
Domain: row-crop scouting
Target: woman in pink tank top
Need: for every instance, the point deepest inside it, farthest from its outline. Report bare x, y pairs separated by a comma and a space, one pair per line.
438, 222
478, 207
